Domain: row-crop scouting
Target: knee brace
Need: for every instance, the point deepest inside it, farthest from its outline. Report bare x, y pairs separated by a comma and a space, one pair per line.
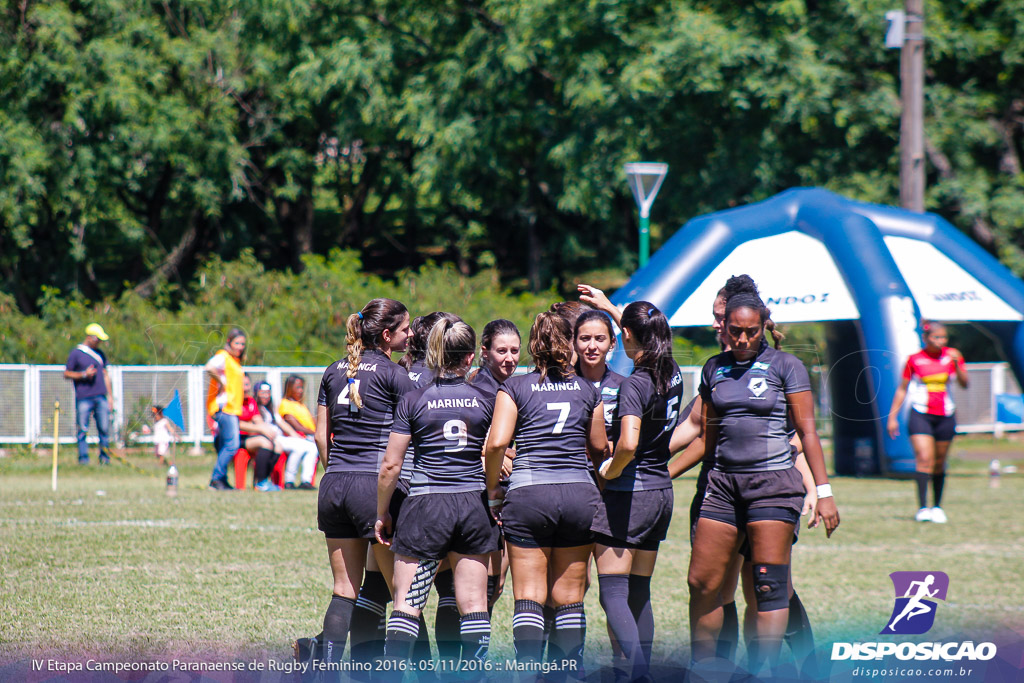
771, 586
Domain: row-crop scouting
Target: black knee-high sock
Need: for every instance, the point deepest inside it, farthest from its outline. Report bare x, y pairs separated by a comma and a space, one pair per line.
640, 606
492, 588
549, 623
475, 632
528, 630
922, 489
566, 642
446, 621
421, 650
615, 601
798, 630
729, 636
403, 630
264, 464
336, 625
938, 483
371, 605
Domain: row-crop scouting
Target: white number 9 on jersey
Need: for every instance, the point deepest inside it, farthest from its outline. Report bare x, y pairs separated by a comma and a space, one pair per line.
455, 430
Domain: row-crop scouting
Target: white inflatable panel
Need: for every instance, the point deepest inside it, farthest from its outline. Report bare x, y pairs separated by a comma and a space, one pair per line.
795, 273
943, 290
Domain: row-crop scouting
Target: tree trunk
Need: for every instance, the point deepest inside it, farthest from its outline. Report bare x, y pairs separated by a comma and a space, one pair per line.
296, 220
181, 255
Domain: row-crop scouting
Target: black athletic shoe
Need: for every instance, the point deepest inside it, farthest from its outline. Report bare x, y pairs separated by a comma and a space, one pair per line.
308, 650
220, 485
289, 485
306, 486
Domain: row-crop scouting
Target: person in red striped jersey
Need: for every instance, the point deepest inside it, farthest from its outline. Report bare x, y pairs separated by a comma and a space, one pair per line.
932, 422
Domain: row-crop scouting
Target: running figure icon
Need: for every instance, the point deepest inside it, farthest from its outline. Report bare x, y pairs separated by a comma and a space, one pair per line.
915, 606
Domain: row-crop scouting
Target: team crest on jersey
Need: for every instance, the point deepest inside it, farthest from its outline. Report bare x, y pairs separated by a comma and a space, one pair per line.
758, 365
757, 386
724, 370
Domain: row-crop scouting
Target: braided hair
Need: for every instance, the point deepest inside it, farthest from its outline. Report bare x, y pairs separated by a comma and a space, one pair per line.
363, 331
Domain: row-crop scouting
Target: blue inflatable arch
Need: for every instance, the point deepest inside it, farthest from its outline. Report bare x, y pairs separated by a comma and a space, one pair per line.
872, 272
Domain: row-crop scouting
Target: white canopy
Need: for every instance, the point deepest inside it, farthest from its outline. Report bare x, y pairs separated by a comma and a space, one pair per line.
795, 274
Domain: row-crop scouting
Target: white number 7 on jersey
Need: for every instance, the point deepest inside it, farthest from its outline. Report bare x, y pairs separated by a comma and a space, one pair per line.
563, 415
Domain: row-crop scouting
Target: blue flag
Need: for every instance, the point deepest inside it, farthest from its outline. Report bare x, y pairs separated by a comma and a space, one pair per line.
173, 411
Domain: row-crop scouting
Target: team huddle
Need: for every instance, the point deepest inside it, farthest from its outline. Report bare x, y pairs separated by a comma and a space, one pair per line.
439, 474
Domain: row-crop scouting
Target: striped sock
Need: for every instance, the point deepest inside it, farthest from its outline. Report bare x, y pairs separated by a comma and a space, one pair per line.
446, 622
528, 630
403, 630
475, 629
567, 638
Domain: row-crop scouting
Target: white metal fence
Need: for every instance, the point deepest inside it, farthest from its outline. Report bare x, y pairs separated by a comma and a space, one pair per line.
28, 393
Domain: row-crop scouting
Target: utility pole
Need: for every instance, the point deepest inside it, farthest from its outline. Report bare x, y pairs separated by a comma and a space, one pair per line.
912, 120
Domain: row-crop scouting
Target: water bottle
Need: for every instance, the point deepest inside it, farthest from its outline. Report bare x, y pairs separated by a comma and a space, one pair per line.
172, 481
994, 470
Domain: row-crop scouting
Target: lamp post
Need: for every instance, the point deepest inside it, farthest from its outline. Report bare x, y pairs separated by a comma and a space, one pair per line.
645, 181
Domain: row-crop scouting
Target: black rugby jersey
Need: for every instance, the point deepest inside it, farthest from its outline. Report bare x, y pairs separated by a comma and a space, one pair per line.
420, 374
486, 380
448, 420
659, 415
608, 388
750, 401
551, 429
360, 438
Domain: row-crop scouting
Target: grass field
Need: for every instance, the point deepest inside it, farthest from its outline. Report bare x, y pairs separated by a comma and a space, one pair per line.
109, 566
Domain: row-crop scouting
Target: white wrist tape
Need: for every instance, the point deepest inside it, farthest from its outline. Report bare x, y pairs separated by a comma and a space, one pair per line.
824, 490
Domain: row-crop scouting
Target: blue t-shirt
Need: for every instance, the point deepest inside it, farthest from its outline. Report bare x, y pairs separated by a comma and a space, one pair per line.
79, 360
749, 399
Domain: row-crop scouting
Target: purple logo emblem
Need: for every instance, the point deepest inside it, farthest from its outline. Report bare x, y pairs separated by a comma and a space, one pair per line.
916, 596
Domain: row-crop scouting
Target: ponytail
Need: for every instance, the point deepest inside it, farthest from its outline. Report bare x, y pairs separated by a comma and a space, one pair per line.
551, 345
419, 330
354, 346
777, 336
363, 331
650, 329
449, 343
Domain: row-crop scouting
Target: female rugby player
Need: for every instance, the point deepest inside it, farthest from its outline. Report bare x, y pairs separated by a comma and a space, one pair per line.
445, 515
556, 420
753, 488
636, 503
932, 422
356, 405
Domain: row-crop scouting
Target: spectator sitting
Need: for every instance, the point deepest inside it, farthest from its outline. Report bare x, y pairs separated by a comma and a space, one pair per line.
301, 450
257, 438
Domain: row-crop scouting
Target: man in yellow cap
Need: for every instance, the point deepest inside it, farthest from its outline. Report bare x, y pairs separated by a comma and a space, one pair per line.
87, 368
